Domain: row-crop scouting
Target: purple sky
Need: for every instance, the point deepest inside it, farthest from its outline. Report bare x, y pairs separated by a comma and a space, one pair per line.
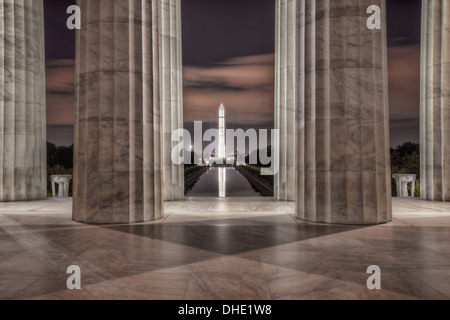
228, 48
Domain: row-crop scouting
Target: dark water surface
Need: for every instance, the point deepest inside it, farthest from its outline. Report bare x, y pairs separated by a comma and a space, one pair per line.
222, 182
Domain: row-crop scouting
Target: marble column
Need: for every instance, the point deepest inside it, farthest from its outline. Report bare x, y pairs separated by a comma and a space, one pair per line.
118, 153
435, 101
23, 167
171, 95
343, 159
286, 94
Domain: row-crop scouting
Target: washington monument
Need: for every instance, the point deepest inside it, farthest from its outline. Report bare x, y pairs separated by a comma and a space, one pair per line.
221, 153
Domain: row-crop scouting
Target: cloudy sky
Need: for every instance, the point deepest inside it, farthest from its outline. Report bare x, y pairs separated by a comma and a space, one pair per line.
404, 30
228, 56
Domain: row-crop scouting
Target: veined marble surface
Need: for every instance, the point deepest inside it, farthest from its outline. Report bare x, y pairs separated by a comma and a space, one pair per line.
343, 168
206, 252
435, 104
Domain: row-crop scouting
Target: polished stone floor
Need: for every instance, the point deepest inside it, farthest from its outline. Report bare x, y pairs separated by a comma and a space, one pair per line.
224, 249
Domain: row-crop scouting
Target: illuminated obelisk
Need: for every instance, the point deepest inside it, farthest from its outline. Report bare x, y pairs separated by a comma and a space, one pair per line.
221, 157
221, 152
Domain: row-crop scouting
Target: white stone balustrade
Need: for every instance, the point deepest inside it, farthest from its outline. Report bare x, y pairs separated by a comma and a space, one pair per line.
402, 181
63, 182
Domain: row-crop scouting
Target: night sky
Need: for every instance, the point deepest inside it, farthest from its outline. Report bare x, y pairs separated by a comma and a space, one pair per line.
216, 30
228, 56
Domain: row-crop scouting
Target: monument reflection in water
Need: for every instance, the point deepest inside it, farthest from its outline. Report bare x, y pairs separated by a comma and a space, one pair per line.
222, 182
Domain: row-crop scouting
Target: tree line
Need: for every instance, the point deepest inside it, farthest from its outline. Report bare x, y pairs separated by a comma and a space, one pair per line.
59, 162
406, 159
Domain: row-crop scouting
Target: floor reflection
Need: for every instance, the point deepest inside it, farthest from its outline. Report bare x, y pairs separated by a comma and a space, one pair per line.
207, 250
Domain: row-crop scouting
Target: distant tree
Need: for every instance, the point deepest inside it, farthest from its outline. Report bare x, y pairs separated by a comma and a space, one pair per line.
408, 148
52, 155
406, 159
260, 156
62, 156
65, 155
59, 161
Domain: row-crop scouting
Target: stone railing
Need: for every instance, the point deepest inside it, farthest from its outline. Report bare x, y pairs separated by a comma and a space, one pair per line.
63, 182
402, 181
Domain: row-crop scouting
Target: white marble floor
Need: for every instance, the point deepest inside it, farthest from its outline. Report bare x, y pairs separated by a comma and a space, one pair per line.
237, 248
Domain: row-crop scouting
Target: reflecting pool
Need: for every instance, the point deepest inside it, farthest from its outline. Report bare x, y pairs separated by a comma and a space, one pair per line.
222, 182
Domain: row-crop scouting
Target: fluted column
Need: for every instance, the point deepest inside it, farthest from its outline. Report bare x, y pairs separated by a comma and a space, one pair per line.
343, 129
286, 91
435, 101
172, 95
23, 167
117, 174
